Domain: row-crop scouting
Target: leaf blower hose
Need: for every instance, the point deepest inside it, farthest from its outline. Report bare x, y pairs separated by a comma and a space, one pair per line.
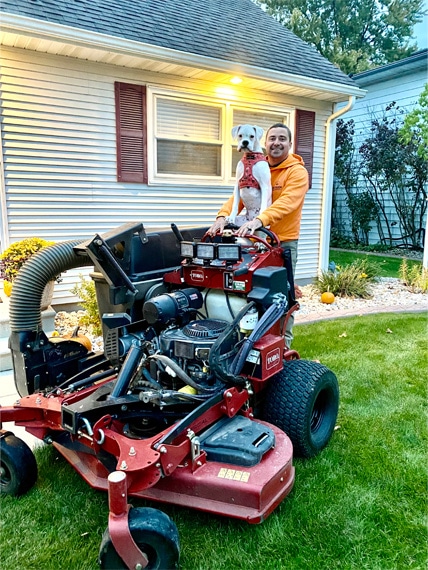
42, 267
219, 362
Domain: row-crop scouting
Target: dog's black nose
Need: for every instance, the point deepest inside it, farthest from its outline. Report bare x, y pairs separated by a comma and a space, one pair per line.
244, 143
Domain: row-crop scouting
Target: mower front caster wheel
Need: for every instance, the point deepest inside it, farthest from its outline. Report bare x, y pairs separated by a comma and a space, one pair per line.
155, 535
18, 467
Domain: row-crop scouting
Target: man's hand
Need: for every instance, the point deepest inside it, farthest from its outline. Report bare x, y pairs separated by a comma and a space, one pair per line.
217, 227
249, 227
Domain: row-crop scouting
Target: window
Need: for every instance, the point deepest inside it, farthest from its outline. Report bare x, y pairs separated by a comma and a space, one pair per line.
262, 119
188, 138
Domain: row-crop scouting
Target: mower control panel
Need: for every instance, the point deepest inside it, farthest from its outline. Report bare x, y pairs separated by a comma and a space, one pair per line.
237, 265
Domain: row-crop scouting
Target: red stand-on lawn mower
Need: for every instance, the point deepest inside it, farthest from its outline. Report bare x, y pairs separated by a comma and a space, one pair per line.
196, 400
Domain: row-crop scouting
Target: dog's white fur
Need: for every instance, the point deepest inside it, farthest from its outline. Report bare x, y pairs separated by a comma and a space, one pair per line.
255, 200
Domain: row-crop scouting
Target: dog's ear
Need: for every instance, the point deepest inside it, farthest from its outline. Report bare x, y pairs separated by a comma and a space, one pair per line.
235, 131
259, 131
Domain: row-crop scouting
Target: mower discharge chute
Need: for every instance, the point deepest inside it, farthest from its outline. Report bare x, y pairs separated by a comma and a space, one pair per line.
195, 401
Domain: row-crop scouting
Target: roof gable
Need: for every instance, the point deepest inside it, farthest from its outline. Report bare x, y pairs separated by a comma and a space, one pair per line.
231, 30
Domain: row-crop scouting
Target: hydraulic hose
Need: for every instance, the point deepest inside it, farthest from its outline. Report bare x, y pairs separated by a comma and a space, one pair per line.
273, 314
37, 271
217, 360
181, 373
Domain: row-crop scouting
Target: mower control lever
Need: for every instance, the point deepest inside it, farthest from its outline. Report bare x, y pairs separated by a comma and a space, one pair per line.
177, 233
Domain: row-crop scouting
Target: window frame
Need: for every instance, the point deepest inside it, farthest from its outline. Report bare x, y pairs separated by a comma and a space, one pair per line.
155, 93
286, 112
226, 177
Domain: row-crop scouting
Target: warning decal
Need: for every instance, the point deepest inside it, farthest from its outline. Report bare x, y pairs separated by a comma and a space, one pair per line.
234, 474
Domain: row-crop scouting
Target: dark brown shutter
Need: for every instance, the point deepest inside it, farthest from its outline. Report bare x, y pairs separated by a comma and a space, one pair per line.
131, 132
304, 138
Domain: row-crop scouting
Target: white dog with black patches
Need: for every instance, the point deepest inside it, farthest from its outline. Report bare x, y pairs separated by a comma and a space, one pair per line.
253, 184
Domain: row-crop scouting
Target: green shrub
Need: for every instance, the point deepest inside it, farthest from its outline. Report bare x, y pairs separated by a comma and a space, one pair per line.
414, 276
85, 290
17, 253
349, 281
340, 240
377, 247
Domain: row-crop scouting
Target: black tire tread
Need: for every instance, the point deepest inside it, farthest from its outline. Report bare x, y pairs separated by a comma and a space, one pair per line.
289, 402
19, 461
147, 526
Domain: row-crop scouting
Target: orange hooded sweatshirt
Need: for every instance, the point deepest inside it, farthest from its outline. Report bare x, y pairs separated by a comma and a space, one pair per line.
290, 182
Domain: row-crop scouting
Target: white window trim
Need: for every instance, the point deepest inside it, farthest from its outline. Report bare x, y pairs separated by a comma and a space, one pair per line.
227, 107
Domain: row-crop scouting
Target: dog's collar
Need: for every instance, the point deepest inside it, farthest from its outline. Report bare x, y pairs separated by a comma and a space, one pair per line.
253, 155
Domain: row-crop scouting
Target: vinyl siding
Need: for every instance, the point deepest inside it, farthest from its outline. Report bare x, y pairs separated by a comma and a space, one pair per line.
404, 89
59, 150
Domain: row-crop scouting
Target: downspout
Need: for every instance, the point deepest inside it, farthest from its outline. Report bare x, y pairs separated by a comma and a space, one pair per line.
425, 256
4, 229
330, 144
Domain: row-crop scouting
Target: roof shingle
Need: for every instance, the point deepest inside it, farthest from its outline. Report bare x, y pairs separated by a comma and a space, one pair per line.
231, 30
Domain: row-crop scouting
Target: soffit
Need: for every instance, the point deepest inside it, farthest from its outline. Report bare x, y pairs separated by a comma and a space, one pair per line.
330, 92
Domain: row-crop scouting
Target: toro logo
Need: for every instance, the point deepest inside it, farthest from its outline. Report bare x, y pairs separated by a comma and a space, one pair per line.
197, 275
272, 358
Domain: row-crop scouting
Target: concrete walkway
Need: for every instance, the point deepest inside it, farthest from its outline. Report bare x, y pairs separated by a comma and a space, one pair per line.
314, 317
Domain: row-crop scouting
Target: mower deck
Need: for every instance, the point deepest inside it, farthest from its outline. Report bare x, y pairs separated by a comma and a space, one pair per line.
248, 493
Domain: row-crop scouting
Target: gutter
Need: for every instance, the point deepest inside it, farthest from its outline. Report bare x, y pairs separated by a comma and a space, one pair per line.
21, 25
330, 145
416, 61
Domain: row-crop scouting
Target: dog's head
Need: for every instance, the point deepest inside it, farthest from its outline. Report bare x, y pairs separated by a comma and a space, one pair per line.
248, 137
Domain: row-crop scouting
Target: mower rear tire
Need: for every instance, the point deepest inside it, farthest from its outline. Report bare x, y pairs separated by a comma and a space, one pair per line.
154, 533
18, 467
303, 401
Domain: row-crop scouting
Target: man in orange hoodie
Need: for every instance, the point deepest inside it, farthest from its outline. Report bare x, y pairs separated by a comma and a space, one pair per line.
290, 182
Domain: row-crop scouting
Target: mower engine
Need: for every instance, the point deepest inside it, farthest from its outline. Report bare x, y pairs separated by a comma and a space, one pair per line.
175, 355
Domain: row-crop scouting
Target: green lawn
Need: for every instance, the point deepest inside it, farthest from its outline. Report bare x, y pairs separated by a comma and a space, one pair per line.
361, 504
388, 266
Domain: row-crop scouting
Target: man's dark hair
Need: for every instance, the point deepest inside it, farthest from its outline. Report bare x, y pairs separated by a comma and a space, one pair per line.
282, 126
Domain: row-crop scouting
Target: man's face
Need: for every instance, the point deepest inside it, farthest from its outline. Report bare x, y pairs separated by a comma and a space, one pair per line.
278, 145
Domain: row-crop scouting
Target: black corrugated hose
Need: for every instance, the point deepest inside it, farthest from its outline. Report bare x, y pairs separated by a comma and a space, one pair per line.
42, 267
269, 318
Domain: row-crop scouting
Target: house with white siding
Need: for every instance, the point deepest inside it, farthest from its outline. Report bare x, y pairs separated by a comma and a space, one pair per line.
122, 111
400, 82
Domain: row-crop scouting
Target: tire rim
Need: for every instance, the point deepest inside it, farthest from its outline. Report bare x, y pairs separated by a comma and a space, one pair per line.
5, 476
318, 411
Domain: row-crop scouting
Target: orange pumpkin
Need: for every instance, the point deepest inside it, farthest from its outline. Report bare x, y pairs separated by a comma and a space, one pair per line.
82, 339
79, 337
327, 298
